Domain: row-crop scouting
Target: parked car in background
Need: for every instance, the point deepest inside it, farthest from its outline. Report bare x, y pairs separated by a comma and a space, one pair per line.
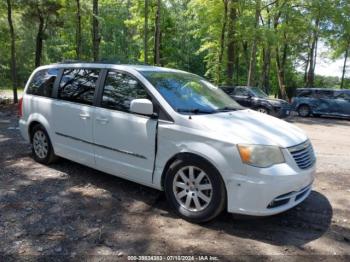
255, 98
322, 101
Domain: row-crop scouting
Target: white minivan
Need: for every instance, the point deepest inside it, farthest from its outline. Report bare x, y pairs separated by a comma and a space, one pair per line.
170, 130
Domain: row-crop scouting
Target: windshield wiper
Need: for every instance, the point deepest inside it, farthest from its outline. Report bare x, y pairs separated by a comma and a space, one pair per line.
195, 111
227, 109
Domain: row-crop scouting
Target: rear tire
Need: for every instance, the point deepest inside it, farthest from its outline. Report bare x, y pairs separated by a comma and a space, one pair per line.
263, 110
41, 146
304, 110
195, 190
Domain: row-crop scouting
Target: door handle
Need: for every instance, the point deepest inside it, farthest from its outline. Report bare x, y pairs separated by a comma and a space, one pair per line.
102, 120
84, 116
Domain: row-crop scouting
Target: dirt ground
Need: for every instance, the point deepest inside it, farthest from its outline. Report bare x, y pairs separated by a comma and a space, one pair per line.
67, 210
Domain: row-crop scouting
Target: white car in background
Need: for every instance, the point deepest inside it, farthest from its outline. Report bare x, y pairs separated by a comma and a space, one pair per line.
170, 130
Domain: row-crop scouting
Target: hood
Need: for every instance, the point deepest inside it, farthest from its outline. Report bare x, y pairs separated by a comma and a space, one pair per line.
248, 126
276, 100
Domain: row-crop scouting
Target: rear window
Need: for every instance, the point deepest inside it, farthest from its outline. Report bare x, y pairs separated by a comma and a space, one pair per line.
78, 85
42, 82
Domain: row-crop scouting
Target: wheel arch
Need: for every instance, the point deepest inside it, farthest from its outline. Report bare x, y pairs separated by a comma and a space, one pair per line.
37, 119
305, 104
186, 155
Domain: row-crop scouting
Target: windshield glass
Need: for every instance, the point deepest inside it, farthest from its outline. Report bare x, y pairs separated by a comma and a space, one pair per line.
188, 93
258, 92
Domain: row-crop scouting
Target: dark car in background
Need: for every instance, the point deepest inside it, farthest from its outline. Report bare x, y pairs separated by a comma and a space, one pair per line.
255, 98
322, 101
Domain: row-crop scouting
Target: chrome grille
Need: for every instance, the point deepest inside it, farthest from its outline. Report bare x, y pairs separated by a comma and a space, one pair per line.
303, 154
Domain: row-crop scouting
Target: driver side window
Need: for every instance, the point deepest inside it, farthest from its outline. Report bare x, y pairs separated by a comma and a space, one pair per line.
120, 89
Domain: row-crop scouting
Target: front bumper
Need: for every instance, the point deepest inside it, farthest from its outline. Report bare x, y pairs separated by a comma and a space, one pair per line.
283, 112
269, 191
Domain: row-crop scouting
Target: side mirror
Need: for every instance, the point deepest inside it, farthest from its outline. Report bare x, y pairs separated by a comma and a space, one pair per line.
141, 106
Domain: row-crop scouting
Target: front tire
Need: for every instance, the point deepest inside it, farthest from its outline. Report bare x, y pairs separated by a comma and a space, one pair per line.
195, 190
41, 146
263, 110
304, 110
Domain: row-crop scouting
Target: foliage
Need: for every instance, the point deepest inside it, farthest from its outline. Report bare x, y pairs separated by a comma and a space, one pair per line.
194, 37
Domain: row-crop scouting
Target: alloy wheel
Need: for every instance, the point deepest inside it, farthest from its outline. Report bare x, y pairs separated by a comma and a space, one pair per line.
40, 144
192, 188
262, 110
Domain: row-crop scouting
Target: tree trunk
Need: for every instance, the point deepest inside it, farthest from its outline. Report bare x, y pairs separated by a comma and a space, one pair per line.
157, 35
280, 62
231, 34
280, 76
222, 42
306, 67
264, 81
39, 41
265, 74
78, 31
145, 35
281, 70
252, 61
95, 32
13, 52
312, 55
344, 66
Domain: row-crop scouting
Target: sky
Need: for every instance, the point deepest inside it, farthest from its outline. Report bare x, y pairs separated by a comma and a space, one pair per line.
326, 66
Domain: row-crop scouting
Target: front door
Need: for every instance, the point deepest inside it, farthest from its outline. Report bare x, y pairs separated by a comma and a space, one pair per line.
124, 141
243, 96
73, 115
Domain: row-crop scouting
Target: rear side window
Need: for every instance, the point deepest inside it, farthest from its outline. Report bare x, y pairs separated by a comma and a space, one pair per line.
324, 94
120, 89
343, 96
42, 82
78, 85
305, 93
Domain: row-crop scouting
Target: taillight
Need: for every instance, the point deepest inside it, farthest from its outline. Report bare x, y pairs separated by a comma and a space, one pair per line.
20, 105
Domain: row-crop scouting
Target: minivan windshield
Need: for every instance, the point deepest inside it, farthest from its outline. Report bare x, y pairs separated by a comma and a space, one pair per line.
190, 94
258, 92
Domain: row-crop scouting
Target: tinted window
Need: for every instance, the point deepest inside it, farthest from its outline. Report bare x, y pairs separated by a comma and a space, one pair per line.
344, 96
78, 85
241, 91
42, 83
306, 93
119, 90
323, 94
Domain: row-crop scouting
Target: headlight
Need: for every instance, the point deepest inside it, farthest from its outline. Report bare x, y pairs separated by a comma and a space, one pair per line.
260, 155
275, 103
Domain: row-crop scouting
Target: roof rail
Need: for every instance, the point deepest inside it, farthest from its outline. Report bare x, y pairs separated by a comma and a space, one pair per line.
103, 61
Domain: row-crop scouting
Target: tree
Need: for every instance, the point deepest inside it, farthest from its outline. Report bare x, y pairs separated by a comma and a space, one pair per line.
344, 65
339, 38
145, 37
222, 40
252, 62
13, 51
78, 31
45, 14
96, 38
231, 35
157, 35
